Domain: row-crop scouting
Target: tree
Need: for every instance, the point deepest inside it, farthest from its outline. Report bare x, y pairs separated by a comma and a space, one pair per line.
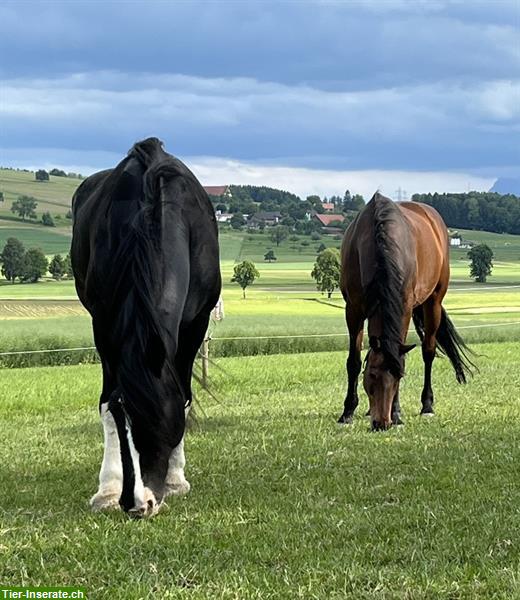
326, 271
67, 267
41, 175
358, 202
34, 266
221, 207
269, 256
321, 248
278, 234
237, 221
56, 267
69, 214
481, 257
2, 196
48, 220
355, 202
25, 207
57, 173
244, 274
12, 258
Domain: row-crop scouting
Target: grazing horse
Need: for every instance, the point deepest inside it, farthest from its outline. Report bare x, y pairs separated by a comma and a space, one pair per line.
145, 257
395, 267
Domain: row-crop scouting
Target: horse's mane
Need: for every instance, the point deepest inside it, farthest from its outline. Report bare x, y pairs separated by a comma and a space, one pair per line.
384, 292
138, 337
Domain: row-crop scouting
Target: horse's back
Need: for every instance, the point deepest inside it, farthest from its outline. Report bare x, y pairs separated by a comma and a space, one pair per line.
431, 249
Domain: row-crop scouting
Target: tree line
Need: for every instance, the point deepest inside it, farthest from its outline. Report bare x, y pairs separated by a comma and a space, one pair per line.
486, 211
28, 266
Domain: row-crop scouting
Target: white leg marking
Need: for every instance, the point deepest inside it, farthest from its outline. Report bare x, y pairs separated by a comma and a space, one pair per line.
111, 473
145, 504
176, 483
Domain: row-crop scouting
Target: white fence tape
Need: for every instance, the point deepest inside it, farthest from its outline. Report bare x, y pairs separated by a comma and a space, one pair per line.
262, 337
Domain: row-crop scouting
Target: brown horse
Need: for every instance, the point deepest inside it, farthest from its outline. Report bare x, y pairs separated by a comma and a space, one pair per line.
395, 266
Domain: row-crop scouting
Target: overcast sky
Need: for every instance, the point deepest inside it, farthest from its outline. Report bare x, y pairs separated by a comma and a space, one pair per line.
310, 96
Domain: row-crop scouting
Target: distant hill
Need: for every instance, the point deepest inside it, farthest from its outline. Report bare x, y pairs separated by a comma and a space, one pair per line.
507, 185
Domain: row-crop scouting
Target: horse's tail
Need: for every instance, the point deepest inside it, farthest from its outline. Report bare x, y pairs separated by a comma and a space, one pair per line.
146, 374
450, 343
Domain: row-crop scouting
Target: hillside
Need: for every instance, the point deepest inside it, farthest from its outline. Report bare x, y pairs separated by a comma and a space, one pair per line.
53, 196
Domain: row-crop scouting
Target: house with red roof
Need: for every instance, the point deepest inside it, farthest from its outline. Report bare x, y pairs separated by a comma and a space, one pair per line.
217, 190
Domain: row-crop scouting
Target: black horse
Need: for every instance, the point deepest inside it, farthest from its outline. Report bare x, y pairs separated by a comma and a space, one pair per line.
145, 257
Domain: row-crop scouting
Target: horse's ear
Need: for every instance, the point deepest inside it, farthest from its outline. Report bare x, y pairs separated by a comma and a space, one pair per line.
404, 349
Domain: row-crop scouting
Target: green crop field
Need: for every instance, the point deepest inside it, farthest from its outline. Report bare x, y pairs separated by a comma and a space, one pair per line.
284, 502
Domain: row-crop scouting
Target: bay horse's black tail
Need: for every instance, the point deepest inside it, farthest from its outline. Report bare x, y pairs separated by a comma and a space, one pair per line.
450, 343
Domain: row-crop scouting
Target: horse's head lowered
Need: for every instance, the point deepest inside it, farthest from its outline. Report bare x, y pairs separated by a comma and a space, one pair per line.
381, 381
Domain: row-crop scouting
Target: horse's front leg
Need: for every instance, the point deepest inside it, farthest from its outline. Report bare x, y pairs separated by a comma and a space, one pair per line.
396, 409
111, 473
355, 329
176, 482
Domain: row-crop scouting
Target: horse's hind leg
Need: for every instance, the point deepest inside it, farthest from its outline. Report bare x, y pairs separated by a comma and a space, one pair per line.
111, 473
355, 329
432, 312
190, 340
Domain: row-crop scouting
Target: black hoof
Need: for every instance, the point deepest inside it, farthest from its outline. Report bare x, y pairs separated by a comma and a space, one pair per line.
377, 426
396, 420
346, 419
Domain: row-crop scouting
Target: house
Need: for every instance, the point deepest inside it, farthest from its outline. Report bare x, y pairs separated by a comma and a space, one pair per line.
455, 241
326, 220
267, 219
223, 217
217, 190
328, 207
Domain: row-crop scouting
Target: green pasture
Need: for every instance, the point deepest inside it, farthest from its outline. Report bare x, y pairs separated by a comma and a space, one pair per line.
51, 240
266, 322
53, 196
284, 502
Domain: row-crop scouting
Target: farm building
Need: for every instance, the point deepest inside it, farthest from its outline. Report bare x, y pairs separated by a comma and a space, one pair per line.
218, 190
329, 223
267, 219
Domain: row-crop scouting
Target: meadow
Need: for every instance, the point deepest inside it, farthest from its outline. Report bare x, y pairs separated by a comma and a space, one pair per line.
282, 312
284, 502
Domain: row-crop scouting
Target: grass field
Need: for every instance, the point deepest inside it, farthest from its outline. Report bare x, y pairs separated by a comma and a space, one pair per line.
281, 306
53, 196
284, 503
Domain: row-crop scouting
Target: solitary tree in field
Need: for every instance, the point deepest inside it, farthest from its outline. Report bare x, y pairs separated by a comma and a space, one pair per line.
321, 248
35, 265
278, 234
244, 274
41, 175
25, 207
269, 256
327, 270
481, 257
12, 259
2, 196
48, 220
56, 267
